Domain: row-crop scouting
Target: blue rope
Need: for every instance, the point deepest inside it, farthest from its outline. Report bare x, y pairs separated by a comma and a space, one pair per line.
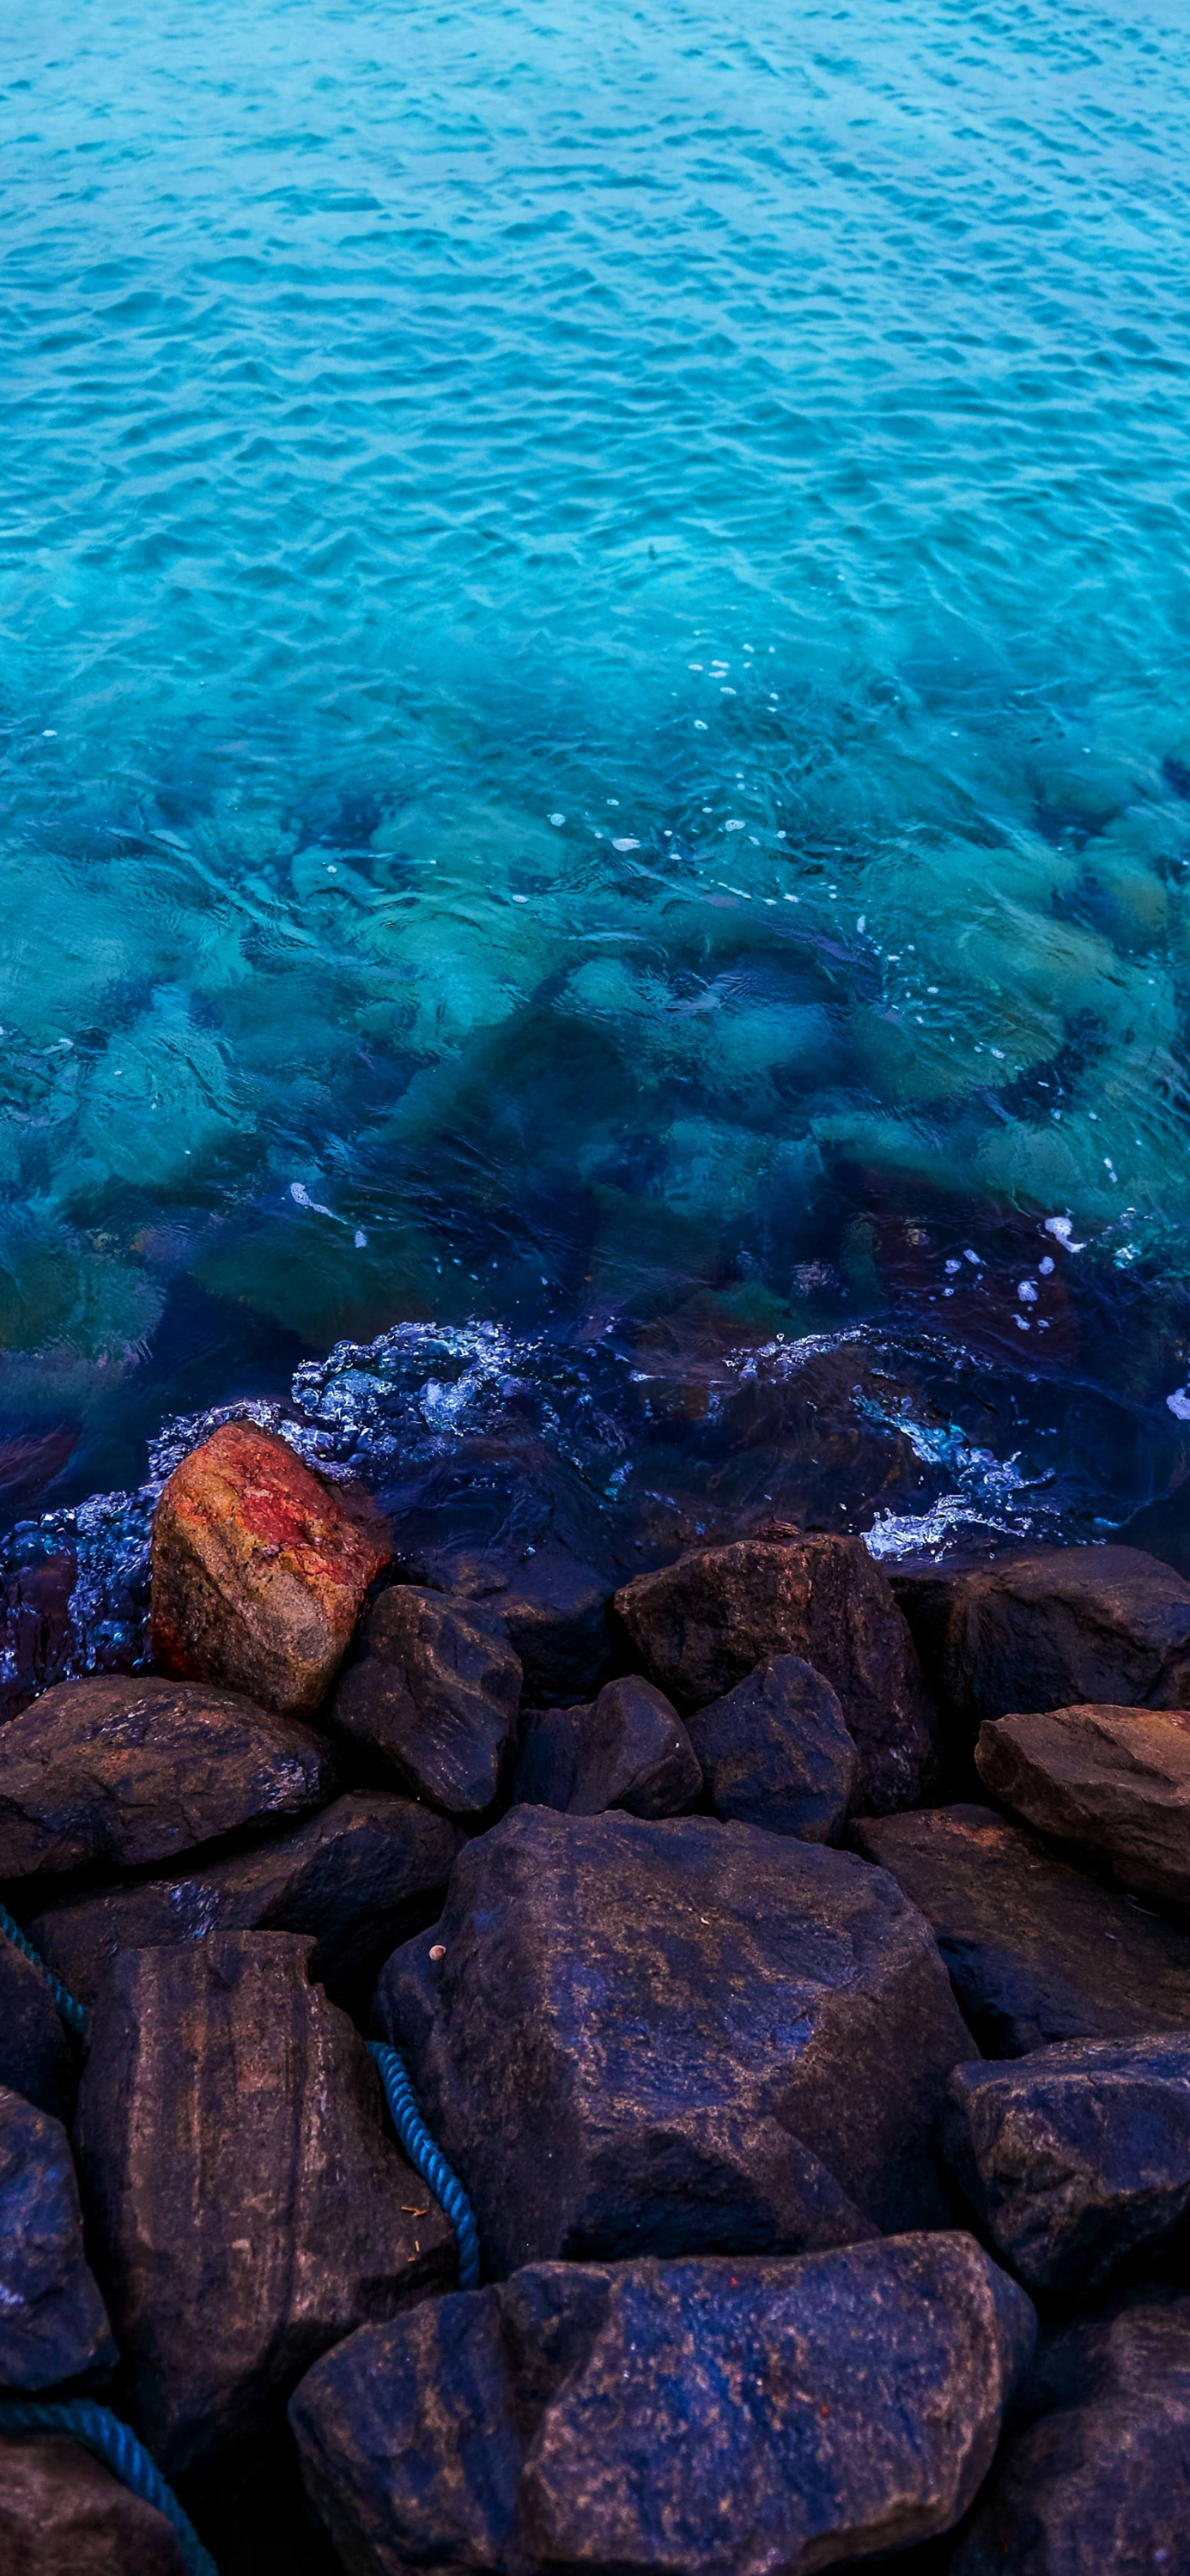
428, 2160
116, 2445
71, 2010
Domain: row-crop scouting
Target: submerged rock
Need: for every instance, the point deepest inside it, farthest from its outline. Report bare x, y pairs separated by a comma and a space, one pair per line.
1114, 1781
702, 1625
1077, 2157
368, 1871
714, 2417
118, 1770
1100, 2483
37, 2056
1054, 1628
62, 2513
775, 1752
433, 1696
246, 2203
259, 1569
1036, 1951
53, 2325
627, 1749
708, 2038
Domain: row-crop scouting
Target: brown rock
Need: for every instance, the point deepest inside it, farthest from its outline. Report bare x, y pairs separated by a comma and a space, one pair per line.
1114, 1781
1056, 1628
700, 1626
62, 2513
712, 2418
52, 2321
775, 1752
117, 1770
37, 2056
433, 1695
367, 1872
1036, 1951
628, 1749
246, 2203
260, 1569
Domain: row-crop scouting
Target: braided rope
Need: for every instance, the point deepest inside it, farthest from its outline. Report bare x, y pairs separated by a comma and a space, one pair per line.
428, 2160
117, 2446
72, 2011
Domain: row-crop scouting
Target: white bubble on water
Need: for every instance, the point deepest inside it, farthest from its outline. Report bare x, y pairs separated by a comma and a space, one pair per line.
557, 820
627, 844
1028, 1291
1179, 1403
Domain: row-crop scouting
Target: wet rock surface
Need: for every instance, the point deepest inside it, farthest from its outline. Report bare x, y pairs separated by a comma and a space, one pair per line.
432, 1698
52, 2320
709, 2038
1050, 1628
701, 1626
1113, 1781
112, 1771
700, 2415
1036, 1951
552, 1608
1075, 2159
1100, 2482
259, 1569
246, 2205
62, 2513
37, 2057
628, 1749
362, 1875
775, 1752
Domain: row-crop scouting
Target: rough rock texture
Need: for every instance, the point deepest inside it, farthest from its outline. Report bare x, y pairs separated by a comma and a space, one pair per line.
1076, 2157
553, 1610
52, 2320
37, 2057
1099, 2485
260, 1569
708, 2039
1036, 1951
1114, 1781
702, 1625
775, 1752
118, 1769
1059, 1626
714, 2418
628, 1749
63, 2514
246, 2204
367, 1872
433, 1695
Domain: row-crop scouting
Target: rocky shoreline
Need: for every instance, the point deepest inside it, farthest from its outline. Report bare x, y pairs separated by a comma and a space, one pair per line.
792, 1963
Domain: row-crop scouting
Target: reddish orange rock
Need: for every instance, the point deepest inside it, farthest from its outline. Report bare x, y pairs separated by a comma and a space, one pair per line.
259, 1569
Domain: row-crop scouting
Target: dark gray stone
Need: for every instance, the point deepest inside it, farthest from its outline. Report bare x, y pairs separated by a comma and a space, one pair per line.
433, 1696
553, 1610
1036, 1951
37, 2056
696, 2418
628, 1749
367, 1872
675, 2037
62, 2513
53, 2325
775, 1752
1049, 1628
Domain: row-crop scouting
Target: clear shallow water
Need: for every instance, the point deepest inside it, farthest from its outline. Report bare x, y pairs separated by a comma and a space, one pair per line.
595, 716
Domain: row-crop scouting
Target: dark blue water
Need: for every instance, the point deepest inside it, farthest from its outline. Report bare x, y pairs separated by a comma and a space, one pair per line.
596, 721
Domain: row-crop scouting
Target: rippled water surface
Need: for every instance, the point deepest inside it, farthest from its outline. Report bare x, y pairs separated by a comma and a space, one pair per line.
596, 728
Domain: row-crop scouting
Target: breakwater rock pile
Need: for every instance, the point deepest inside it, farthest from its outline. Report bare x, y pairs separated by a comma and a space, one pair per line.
792, 1964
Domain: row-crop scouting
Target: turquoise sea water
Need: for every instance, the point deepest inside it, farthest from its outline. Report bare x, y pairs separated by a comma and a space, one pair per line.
595, 699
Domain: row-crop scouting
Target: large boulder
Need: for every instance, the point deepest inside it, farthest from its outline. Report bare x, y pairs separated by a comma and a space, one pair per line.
37, 2056
116, 1771
717, 2418
1050, 1628
432, 1697
702, 1625
1113, 1781
627, 1749
1099, 2484
52, 2320
1036, 1951
62, 2513
677, 2037
1076, 2157
552, 1607
775, 1752
368, 1871
246, 2204
259, 1569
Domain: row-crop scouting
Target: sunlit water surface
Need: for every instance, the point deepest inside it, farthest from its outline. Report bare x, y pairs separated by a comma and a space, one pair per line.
596, 740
